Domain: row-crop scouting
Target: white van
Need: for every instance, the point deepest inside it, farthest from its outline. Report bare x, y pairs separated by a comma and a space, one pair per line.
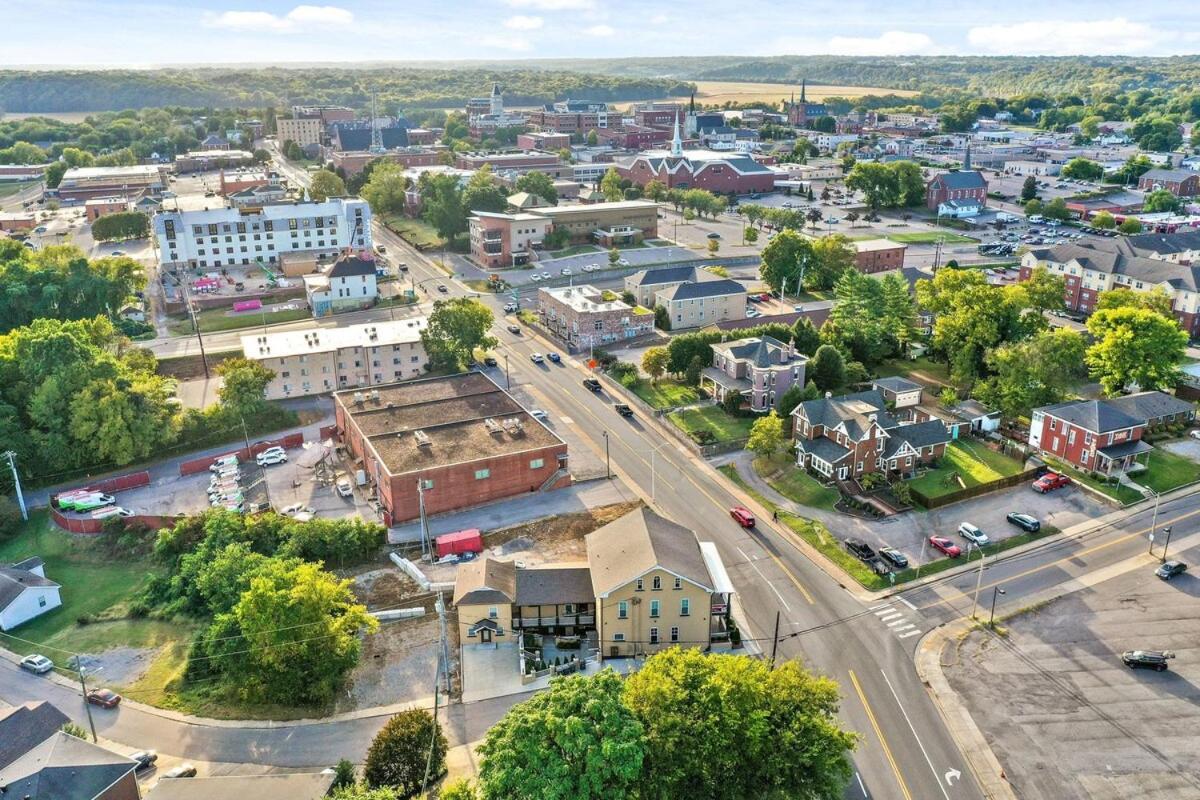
224, 462
1037, 219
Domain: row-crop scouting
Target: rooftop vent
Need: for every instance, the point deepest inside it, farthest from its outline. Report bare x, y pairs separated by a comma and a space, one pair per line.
374, 395
358, 398
492, 425
423, 439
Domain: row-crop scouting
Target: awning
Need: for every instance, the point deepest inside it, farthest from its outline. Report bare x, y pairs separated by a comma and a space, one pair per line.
724, 381
1134, 447
716, 568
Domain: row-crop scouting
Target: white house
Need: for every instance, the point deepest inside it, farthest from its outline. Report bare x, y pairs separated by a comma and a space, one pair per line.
349, 284
25, 593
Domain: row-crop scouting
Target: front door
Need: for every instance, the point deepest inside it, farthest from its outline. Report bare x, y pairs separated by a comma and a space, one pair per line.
485, 635
842, 473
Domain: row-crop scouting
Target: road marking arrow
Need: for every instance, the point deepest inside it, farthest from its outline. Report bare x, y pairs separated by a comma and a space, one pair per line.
951, 775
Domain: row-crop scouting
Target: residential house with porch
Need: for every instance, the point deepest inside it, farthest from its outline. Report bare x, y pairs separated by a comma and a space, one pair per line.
1104, 436
495, 598
760, 368
852, 435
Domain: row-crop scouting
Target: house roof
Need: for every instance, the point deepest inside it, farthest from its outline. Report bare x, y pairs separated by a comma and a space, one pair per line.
761, 351
961, 180
554, 584
896, 384
356, 139
1097, 416
1124, 259
1151, 405
827, 450
350, 265
295, 786
1169, 175
692, 291
15, 579
922, 434
63, 766
485, 581
973, 409
24, 726
1133, 447
655, 277
852, 411
722, 379
638, 542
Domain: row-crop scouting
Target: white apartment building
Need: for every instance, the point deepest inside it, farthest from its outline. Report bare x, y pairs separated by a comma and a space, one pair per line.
223, 237
304, 131
319, 360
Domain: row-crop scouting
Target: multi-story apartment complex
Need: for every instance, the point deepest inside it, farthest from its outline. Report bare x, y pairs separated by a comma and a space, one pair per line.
320, 360
1150, 262
647, 283
304, 131
567, 117
760, 369
231, 236
585, 317
80, 184
693, 305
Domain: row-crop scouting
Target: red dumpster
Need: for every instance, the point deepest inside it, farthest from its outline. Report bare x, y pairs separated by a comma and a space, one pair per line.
468, 541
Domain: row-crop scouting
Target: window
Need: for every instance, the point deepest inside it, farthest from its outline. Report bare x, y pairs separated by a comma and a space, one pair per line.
674, 634
679, 583
623, 610
427, 483
568, 608
1071, 437
492, 612
654, 608
685, 607
537, 463
618, 637
656, 584
654, 636
41, 601
639, 584
480, 474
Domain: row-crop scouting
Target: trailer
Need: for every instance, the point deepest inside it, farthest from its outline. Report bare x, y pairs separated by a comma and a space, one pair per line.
464, 541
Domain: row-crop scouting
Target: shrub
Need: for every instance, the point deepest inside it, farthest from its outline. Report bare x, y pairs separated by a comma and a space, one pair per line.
398, 754
10, 518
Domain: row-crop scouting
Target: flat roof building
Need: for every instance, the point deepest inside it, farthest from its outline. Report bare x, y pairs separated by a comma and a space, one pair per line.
79, 184
461, 438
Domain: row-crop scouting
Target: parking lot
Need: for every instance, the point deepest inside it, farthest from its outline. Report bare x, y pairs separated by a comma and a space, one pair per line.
1065, 717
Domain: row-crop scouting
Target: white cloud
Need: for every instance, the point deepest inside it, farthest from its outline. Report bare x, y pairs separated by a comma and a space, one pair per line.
600, 30
512, 43
298, 17
553, 5
522, 22
658, 19
1069, 37
889, 43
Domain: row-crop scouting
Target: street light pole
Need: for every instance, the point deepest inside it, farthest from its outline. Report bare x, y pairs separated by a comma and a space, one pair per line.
1167, 543
992, 617
507, 382
607, 462
978, 580
86, 704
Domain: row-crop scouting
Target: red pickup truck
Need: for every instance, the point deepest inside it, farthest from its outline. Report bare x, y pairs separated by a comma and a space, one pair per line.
1050, 481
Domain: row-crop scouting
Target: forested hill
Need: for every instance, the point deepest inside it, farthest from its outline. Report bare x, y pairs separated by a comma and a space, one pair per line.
114, 90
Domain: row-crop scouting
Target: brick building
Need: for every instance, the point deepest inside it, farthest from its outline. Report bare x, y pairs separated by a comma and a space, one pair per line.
585, 317
97, 207
634, 137
567, 117
543, 140
461, 438
677, 168
761, 369
505, 240
516, 162
305, 132
353, 162
803, 113
79, 184
1179, 182
948, 191
878, 255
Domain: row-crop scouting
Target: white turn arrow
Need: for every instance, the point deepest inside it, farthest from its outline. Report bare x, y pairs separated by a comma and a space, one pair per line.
951, 775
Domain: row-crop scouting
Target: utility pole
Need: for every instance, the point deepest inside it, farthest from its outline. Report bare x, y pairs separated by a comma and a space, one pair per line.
12, 464
992, 617
429, 761
775, 641
978, 581
262, 471
507, 381
187, 299
440, 606
607, 462
87, 706
425, 548
1167, 543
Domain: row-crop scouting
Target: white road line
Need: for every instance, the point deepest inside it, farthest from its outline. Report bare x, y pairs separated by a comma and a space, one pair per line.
904, 627
936, 776
885, 610
910, 605
754, 566
894, 615
876, 608
860, 785
910, 633
900, 622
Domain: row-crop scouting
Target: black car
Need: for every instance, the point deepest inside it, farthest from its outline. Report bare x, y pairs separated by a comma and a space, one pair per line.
859, 549
893, 555
489, 361
1024, 521
1147, 659
623, 409
1170, 569
591, 384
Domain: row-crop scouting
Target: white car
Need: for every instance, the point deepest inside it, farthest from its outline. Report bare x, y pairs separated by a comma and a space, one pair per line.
536, 358
294, 509
623, 262
565, 271
37, 664
535, 277
972, 534
344, 487
270, 459
539, 413
545, 276
510, 308
1195, 434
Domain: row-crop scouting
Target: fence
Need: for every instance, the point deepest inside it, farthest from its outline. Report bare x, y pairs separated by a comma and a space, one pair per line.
196, 465
91, 527
973, 491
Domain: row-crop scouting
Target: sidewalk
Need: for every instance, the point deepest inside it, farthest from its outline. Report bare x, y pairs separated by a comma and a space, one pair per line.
527, 508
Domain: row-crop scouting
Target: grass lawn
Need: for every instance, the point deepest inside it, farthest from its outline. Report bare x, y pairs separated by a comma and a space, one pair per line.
1122, 494
7, 189
665, 393
905, 367
418, 233
574, 250
216, 319
973, 462
712, 418
794, 483
930, 237
1166, 471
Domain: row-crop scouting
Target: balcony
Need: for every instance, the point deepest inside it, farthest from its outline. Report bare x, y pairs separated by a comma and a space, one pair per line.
562, 619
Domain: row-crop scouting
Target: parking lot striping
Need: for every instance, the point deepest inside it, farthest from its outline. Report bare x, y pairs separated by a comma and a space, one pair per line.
887, 751
862, 788
916, 737
892, 615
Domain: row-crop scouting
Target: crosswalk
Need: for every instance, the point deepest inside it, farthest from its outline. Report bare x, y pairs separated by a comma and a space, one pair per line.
896, 621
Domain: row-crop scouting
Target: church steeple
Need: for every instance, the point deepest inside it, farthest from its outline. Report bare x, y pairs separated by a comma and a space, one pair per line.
967, 158
676, 141
803, 86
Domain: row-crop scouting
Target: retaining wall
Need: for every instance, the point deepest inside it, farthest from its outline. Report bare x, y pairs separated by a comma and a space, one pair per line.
197, 465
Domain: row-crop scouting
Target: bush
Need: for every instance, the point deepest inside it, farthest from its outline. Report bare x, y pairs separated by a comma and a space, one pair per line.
620, 370
10, 518
398, 754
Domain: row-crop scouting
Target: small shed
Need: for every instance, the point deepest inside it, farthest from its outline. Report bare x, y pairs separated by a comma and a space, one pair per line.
464, 541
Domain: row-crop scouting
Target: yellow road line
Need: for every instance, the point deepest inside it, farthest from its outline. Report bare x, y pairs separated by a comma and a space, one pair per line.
799, 585
887, 751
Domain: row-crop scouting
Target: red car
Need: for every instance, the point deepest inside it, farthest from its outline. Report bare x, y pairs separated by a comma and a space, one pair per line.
946, 546
105, 698
742, 516
1050, 481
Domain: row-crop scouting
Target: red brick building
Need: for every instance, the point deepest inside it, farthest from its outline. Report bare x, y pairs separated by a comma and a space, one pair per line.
634, 137
878, 255
461, 438
543, 140
1179, 182
955, 187
656, 116
570, 117
354, 161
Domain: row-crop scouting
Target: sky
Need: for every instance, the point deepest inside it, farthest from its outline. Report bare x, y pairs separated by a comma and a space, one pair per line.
140, 33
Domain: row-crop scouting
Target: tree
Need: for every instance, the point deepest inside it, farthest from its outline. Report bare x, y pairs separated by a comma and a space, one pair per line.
1032, 373
1134, 346
878, 183
304, 661
483, 193
750, 235
1130, 226
343, 774
461, 789
784, 258
1104, 221
1034, 207
120, 226
574, 740
457, 327
655, 190
654, 362
614, 255
910, 183
593, 138
1160, 200
692, 373
400, 751
794, 396
805, 337
385, 188
442, 204
324, 185
610, 185
831, 257
243, 386
766, 435
10, 518
713, 247
662, 318
1157, 301
948, 397
1083, 169
1056, 209
827, 369
1029, 189
728, 726
540, 184
123, 420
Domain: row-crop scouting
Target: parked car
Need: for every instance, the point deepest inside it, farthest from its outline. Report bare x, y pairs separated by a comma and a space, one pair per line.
536, 358
344, 487
294, 509
891, 554
555, 357
510, 308
944, 545
565, 271
1050, 481
37, 664
514, 329
490, 361
1194, 433
105, 698
144, 758
539, 413
1025, 522
1169, 569
622, 262
545, 276
859, 549
1147, 659
271, 458
591, 384
182, 771
742, 516
972, 534
714, 235
623, 409
535, 278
